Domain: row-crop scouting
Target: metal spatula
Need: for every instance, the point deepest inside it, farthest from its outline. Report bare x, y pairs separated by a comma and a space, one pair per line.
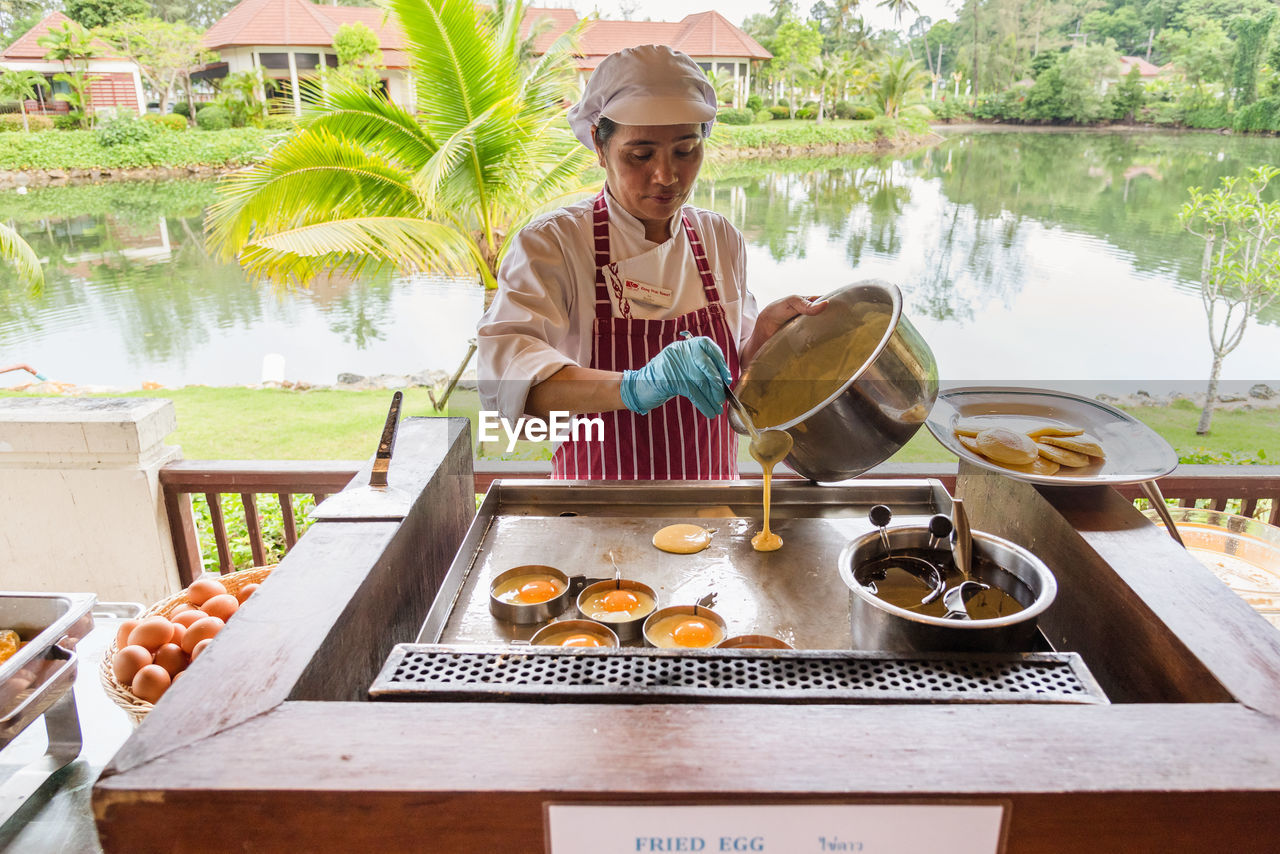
378, 501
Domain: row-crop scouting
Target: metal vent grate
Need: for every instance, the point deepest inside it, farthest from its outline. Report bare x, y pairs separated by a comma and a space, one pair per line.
649, 675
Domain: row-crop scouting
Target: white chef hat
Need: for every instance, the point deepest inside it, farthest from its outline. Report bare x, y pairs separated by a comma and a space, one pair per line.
648, 85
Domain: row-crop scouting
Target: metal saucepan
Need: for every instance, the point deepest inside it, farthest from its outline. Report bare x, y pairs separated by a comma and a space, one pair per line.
847, 423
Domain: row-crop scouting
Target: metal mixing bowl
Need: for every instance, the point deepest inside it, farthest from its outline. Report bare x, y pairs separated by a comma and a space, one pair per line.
874, 411
877, 625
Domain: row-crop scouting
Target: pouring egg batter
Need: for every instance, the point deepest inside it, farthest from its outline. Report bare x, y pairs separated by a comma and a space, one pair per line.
768, 448
682, 539
618, 605
685, 631
528, 589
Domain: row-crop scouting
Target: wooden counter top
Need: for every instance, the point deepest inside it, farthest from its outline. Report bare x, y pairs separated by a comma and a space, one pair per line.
270, 744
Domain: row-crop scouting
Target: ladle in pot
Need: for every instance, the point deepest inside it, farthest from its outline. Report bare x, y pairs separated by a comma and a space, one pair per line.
880, 516
957, 597
767, 447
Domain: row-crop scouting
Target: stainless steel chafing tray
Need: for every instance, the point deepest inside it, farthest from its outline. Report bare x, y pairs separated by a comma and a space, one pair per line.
464, 653
795, 593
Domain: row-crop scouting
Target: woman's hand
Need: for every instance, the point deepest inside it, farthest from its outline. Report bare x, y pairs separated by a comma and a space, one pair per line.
774, 315
692, 368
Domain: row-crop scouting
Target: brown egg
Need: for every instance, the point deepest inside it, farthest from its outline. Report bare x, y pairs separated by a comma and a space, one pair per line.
222, 606
179, 632
204, 589
201, 630
199, 648
126, 663
178, 609
122, 633
171, 658
245, 592
153, 632
186, 618
151, 683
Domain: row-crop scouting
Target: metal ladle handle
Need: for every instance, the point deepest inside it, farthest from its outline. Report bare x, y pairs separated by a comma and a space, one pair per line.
382, 460
1152, 491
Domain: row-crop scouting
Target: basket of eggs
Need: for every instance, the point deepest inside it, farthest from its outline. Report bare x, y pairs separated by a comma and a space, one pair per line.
150, 653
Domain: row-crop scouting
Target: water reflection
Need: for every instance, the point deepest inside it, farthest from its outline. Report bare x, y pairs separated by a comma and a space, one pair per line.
1023, 257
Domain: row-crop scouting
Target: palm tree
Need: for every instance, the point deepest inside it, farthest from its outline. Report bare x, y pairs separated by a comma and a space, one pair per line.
366, 183
22, 86
898, 85
823, 74
898, 7
73, 46
15, 251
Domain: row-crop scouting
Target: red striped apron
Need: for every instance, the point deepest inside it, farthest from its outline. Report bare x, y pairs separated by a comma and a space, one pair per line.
674, 441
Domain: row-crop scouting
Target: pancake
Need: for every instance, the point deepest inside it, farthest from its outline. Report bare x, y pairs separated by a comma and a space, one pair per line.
1039, 466
682, 539
1082, 444
1062, 456
1006, 446
1054, 430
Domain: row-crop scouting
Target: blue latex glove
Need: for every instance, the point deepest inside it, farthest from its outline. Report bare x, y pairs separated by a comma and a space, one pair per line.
692, 368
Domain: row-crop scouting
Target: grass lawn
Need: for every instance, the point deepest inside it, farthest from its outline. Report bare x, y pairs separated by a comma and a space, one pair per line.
280, 424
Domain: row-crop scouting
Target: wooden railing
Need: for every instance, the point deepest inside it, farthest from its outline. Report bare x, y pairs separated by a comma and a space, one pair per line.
212, 478
1191, 485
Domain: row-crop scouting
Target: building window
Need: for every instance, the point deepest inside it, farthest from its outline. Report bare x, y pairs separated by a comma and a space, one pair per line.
729, 68
273, 60
306, 61
331, 60
705, 66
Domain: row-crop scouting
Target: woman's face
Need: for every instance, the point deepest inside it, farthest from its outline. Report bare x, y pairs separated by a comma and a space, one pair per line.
651, 170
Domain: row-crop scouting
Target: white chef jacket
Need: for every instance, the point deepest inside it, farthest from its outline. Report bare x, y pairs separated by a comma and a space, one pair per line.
542, 317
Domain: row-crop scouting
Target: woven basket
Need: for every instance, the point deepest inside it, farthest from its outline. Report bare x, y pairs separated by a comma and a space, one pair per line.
120, 694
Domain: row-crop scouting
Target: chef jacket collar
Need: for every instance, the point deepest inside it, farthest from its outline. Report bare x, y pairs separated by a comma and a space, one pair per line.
623, 219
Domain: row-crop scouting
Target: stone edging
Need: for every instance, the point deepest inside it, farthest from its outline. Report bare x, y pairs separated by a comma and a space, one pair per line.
9, 179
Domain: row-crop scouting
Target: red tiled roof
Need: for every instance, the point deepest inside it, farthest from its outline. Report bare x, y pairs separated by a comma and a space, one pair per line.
1145, 69
28, 46
298, 22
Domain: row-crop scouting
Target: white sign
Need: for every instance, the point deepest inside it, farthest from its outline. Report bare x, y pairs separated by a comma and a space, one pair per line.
775, 828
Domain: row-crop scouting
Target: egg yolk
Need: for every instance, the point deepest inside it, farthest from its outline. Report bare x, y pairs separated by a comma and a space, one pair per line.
693, 632
580, 640
536, 591
619, 600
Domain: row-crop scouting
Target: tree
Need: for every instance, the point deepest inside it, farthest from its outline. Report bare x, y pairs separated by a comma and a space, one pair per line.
101, 13
73, 46
1202, 53
1251, 42
823, 74
18, 254
366, 183
794, 46
1240, 268
1129, 94
22, 86
359, 55
898, 85
898, 7
161, 50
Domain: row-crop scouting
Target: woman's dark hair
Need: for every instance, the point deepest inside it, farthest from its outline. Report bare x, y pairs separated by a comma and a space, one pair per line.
605, 129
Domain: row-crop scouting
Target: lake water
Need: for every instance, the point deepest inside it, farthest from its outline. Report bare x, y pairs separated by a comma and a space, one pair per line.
1024, 257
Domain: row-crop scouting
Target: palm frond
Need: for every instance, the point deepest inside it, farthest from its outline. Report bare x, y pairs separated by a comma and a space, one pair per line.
369, 119
311, 177
443, 165
19, 254
356, 245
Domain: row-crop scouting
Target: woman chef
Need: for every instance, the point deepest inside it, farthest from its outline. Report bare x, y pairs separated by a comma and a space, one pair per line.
631, 304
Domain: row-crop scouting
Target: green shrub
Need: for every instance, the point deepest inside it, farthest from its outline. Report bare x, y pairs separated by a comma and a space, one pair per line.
733, 116
809, 105
151, 118
783, 102
1261, 116
755, 104
174, 121
79, 149
764, 116
780, 111
843, 110
13, 121
66, 123
948, 109
863, 113
1010, 106
125, 130
181, 109
806, 113
1164, 113
213, 118
279, 122
1208, 117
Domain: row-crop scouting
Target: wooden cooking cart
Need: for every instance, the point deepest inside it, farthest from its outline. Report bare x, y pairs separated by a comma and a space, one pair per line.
271, 743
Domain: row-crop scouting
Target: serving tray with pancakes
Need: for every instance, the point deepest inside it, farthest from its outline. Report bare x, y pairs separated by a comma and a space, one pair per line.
1133, 451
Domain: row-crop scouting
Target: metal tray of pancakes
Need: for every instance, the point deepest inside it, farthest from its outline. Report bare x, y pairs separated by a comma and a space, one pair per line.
1134, 452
